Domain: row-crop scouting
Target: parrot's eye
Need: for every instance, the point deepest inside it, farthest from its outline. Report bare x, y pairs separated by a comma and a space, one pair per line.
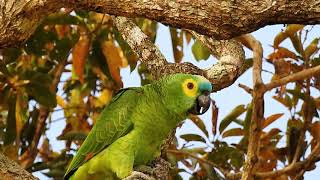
190, 85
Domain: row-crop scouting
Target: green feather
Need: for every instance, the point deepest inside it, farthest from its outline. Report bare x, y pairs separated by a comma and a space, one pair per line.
132, 127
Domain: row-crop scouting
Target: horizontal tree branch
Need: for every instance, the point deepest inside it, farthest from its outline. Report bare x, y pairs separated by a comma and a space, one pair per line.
294, 167
230, 55
214, 18
307, 73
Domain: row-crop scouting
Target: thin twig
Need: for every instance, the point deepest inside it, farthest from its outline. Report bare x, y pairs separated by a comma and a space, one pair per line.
246, 88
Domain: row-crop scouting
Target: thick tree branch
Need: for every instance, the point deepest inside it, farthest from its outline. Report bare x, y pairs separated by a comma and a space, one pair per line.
147, 52
20, 18
11, 170
215, 18
229, 53
230, 57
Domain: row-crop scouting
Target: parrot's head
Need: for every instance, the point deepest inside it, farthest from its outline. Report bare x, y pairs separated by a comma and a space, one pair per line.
186, 93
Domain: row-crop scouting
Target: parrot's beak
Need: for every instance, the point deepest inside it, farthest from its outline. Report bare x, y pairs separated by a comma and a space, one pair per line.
202, 104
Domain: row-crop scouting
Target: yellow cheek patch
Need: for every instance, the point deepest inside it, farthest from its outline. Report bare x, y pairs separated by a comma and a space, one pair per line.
186, 86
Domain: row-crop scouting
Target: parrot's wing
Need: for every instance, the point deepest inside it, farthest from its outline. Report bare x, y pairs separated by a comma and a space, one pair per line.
113, 123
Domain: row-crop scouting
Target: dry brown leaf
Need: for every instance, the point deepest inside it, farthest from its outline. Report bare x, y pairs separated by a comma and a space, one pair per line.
79, 55
315, 130
290, 30
115, 60
281, 53
271, 119
233, 132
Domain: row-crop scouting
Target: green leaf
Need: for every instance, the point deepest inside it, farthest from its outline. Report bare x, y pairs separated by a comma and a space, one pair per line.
55, 173
222, 153
62, 18
10, 134
284, 101
30, 126
296, 43
312, 48
200, 52
293, 133
247, 119
297, 92
73, 136
42, 94
193, 137
236, 112
21, 111
290, 31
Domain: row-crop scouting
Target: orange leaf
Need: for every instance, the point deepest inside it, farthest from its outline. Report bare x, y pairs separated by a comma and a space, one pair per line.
115, 60
233, 132
79, 55
265, 138
60, 101
282, 52
188, 36
315, 130
62, 30
177, 44
214, 117
290, 30
271, 119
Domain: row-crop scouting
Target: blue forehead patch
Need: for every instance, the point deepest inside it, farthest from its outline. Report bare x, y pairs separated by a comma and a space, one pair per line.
205, 86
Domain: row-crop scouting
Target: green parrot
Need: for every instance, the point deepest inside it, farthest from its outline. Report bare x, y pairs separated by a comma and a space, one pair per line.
131, 129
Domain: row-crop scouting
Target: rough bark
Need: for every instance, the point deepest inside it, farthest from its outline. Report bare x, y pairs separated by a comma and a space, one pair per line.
10, 170
219, 19
229, 53
19, 19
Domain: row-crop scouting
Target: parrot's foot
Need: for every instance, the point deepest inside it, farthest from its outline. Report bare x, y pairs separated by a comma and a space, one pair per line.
138, 176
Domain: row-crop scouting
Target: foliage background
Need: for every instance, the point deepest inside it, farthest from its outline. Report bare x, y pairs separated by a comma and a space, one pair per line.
95, 81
